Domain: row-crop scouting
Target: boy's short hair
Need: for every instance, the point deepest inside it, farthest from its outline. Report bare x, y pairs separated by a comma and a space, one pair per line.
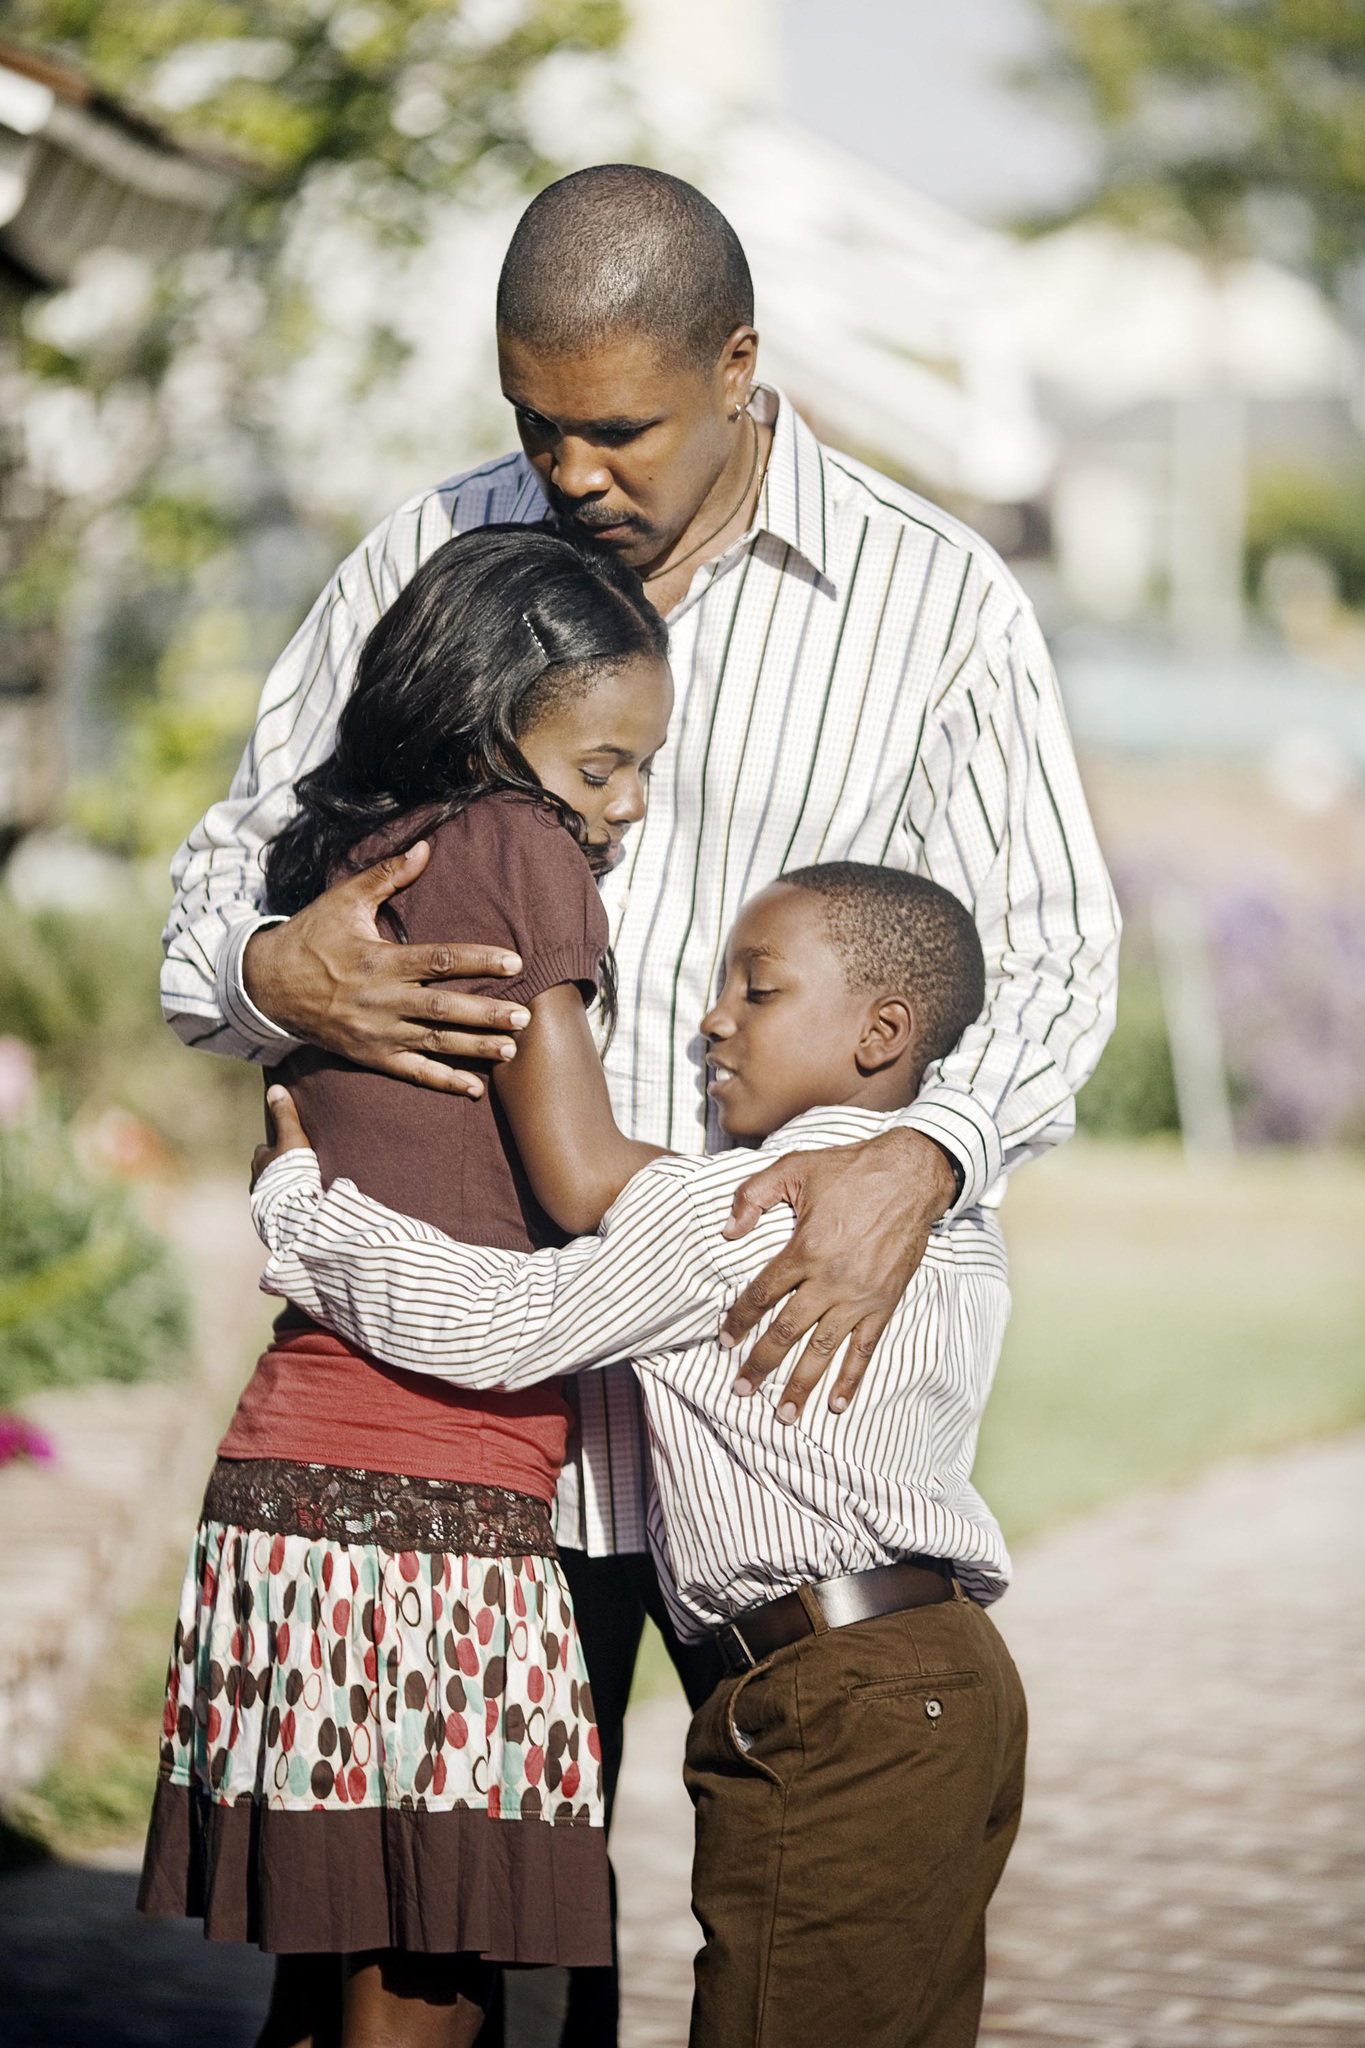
898, 932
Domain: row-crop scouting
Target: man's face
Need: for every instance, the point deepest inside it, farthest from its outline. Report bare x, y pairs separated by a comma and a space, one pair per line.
786, 1032
627, 443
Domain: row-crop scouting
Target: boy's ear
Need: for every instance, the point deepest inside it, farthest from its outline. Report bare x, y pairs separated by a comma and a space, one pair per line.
888, 1033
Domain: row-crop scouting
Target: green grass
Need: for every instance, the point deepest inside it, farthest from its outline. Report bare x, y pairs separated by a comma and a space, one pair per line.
1165, 1318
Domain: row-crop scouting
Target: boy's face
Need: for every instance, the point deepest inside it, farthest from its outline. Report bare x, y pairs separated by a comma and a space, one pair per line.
787, 1033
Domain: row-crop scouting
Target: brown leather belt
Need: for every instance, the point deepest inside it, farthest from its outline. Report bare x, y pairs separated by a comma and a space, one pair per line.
862, 1596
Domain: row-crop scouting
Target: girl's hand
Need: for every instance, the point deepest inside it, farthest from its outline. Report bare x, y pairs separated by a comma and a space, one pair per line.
286, 1132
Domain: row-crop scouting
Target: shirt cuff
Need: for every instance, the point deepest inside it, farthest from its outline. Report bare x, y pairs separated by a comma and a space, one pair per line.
957, 1122
268, 1040
286, 1197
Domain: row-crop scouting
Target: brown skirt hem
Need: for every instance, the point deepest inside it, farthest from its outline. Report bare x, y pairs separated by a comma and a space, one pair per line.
299, 1883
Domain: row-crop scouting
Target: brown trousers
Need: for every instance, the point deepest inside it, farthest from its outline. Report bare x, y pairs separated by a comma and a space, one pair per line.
856, 1795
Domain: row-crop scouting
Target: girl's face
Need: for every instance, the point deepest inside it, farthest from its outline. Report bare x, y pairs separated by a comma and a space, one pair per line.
594, 748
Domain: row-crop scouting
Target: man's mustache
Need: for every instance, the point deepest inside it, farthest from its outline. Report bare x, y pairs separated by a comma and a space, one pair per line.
591, 518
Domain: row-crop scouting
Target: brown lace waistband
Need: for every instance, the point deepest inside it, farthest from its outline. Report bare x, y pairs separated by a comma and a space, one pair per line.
337, 1505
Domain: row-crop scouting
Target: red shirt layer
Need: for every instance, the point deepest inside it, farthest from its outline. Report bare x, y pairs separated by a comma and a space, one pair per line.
503, 873
314, 1400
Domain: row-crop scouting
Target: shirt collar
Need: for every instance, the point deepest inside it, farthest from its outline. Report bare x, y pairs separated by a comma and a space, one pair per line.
836, 1123
794, 502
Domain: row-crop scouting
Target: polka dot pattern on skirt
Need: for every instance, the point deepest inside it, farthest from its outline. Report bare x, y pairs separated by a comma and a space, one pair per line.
318, 1675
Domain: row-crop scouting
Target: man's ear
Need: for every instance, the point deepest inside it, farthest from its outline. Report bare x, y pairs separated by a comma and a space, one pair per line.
888, 1033
737, 367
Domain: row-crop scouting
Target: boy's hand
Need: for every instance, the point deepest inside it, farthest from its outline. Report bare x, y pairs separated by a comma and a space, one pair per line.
286, 1132
863, 1217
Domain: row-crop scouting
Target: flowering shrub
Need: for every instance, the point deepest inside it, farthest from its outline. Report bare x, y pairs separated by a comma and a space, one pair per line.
1289, 975
1291, 994
86, 1290
19, 1439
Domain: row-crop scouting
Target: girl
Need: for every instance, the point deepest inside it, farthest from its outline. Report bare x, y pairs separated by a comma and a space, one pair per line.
379, 1744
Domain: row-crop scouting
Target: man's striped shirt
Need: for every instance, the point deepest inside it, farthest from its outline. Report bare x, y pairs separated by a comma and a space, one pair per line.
747, 1507
858, 678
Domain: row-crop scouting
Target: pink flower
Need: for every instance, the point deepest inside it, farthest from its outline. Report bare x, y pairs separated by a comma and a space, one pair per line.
19, 1439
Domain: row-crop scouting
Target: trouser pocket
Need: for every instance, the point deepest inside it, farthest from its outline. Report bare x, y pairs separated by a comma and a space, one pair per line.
746, 1742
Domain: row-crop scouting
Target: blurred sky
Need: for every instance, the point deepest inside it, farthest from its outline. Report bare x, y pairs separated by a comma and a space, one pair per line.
921, 88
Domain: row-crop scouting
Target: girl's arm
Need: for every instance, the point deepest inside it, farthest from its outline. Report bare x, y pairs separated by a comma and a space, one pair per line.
555, 1096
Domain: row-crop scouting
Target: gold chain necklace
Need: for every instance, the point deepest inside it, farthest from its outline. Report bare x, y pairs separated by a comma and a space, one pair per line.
707, 539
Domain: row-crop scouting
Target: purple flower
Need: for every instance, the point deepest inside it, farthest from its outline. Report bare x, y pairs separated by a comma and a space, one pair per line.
1289, 972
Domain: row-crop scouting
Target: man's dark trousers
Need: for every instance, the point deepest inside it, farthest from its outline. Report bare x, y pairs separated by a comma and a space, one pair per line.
612, 1598
856, 1797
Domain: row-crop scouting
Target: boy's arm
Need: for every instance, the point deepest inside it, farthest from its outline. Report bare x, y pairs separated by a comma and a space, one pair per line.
476, 1315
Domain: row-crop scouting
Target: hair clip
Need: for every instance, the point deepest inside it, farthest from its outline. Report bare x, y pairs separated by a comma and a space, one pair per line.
536, 637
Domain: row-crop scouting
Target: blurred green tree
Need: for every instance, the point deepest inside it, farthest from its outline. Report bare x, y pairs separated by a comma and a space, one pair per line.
1232, 126
412, 95
378, 111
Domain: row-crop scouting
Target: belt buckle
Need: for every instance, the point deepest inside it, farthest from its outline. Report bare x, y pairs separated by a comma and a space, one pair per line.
735, 1653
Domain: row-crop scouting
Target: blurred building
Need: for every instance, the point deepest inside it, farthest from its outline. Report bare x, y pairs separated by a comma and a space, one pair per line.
79, 175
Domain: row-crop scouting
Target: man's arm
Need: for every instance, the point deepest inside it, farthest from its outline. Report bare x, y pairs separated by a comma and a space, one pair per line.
472, 1314
1010, 834
217, 873
996, 807
237, 982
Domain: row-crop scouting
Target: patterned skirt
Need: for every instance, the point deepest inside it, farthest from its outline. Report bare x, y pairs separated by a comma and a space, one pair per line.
378, 1731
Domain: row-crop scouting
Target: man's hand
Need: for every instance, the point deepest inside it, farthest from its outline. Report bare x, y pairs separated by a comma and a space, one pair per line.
286, 1132
863, 1217
326, 976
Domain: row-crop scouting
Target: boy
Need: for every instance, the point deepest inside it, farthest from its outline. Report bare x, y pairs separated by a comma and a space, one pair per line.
857, 1773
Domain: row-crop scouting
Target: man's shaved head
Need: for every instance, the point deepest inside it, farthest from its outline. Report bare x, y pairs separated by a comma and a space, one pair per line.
620, 249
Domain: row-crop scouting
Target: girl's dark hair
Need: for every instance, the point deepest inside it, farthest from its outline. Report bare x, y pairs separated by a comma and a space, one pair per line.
493, 626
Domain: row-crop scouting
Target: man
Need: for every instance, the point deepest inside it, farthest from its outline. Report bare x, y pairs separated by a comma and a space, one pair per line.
858, 677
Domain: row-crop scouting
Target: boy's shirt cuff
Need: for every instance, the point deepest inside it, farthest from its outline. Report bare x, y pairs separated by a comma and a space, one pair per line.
957, 1122
269, 1043
286, 1197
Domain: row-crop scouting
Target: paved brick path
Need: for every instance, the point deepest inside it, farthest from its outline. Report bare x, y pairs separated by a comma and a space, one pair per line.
1191, 1872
